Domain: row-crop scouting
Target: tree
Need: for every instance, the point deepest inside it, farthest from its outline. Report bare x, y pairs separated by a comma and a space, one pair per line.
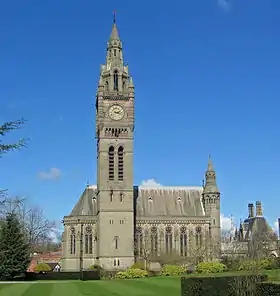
14, 249
36, 226
7, 127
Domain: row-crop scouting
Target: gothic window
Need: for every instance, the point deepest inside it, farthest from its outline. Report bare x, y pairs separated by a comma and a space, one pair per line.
116, 239
107, 85
121, 197
72, 241
198, 236
111, 162
116, 82
88, 240
183, 241
168, 239
139, 241
116, 262
115, 52
123, 85
120, 163
111, 195
154, 241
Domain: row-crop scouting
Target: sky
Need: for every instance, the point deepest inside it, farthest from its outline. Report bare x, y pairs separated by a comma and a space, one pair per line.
206, 75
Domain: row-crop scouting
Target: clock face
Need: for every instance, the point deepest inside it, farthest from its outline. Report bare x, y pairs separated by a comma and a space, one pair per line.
116, 112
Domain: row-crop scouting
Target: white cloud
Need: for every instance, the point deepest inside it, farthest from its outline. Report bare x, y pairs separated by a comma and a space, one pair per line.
224, 4
52, 174
150, 183
225, 223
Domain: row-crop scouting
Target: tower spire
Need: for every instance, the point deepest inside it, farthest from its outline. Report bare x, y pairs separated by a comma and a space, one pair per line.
210, 176
114, 34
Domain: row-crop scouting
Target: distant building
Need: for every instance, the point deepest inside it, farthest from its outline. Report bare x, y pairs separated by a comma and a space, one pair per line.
51, 258
254, 238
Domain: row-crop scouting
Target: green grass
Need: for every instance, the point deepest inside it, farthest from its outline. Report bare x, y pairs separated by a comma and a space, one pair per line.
157, 286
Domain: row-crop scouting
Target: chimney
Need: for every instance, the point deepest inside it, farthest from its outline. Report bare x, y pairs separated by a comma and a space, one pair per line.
251, 210
259, 212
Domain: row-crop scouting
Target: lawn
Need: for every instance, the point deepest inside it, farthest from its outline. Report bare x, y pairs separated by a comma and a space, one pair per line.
157, 286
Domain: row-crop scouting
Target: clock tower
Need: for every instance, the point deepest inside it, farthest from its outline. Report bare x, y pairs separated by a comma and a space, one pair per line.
114, 133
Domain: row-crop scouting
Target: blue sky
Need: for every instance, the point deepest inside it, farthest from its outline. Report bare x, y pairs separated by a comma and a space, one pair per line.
206, 75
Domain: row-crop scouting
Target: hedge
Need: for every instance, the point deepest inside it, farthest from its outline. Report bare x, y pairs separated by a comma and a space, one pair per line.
62, 276
268, 289
221, 285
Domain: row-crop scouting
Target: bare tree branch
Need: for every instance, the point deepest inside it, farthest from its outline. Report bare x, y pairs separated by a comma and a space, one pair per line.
36, 226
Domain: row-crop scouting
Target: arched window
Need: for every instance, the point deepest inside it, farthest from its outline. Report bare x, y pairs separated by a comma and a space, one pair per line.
198, 236
154, 241
120, 163
183, 241
168, 239
116, 242
123, 85
115, 52
139, 241
73, 242
111, 162
88, 240
121, 197
107, 85
116, 80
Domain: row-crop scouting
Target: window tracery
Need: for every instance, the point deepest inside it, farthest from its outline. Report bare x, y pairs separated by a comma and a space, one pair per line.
73, 241
88, 240
168, 239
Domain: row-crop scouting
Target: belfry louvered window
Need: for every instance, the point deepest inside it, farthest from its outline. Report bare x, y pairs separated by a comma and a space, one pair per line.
120, 163
111, 162
116, 82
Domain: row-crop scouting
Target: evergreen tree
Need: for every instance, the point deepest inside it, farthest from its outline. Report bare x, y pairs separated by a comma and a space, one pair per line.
8, 127
14, 249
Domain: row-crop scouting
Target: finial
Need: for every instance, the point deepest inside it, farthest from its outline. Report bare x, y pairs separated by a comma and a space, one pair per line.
203, 183
131, 82
87, 183
210, 165
115, 12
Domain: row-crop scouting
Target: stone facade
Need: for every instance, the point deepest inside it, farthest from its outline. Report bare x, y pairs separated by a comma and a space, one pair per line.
114, 222
254, 238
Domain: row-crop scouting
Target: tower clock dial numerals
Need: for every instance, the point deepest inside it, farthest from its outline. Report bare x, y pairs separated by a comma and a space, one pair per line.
116, 112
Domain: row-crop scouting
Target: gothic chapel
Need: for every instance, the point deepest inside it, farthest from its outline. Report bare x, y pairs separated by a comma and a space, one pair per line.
114, 222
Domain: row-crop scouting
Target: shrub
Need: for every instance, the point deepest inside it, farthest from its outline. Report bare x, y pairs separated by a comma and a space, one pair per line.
221, 285
268, 289
95, 267
132, 274
265, 264
251, 265
231, 263
210, 267
173, 270
137, 273
275, 263
123, 275
42, 267
138, 265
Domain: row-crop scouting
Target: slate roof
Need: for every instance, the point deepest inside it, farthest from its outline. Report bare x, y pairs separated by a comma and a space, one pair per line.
151, 202
258, 226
